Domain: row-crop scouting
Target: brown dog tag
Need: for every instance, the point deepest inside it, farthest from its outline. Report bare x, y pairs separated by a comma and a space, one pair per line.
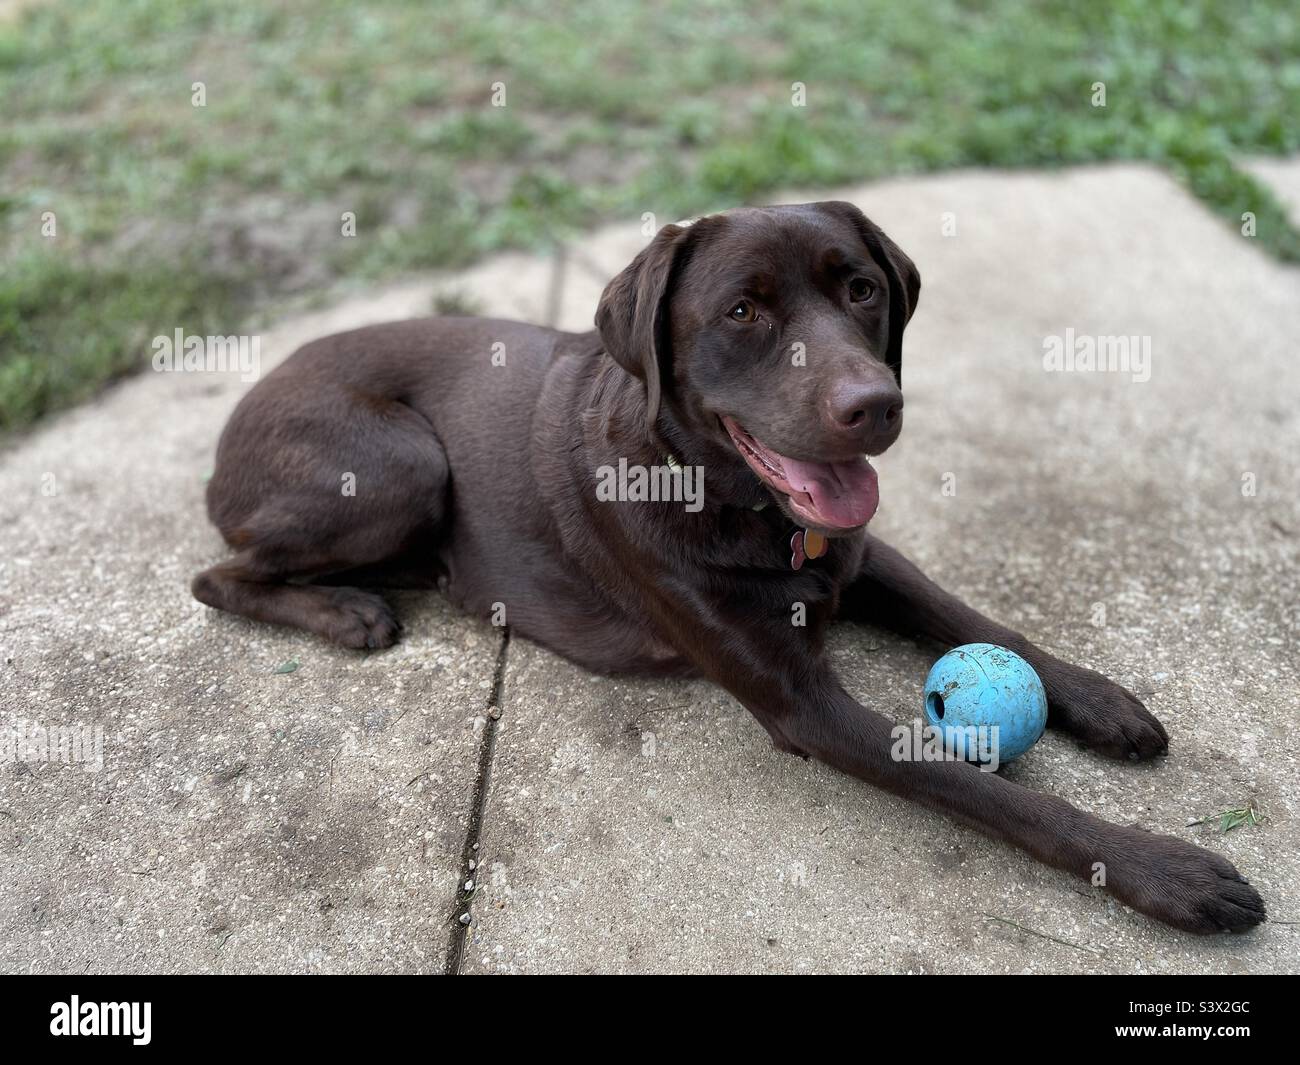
806, 544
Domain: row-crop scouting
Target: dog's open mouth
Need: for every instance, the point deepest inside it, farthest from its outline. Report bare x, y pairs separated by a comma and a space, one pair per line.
830, 496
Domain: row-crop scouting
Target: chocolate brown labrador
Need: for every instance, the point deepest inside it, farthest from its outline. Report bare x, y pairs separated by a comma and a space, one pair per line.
758, 349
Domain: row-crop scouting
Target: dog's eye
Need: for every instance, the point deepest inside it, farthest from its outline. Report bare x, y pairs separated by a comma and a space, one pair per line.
861, 290
743, 312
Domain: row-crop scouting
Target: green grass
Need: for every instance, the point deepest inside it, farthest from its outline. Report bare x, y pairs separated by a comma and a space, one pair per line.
173, 215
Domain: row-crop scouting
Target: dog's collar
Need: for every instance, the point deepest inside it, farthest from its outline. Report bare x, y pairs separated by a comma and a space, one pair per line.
805, 544
671, 461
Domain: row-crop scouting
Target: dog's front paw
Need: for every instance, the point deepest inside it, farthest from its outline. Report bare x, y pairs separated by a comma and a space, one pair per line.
1181, 884
1102, 714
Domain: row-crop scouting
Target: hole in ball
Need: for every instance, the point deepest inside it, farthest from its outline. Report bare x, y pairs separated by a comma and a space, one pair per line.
935, 702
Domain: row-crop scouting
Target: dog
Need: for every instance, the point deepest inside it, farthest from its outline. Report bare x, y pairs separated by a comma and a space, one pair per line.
761, 346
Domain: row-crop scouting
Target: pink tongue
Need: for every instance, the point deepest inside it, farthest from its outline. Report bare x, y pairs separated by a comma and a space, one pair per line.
839, 494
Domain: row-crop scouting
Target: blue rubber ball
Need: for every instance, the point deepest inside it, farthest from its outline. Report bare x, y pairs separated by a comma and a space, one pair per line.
987, 701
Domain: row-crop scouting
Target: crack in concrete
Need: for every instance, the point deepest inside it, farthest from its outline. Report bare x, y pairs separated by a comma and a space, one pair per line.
478, 810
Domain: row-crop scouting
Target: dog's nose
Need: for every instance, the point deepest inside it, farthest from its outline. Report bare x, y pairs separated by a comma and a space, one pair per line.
871, 411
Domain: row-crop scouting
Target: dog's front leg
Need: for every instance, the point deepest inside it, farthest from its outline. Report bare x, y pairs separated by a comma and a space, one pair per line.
786, 683
1161, 876
891, 592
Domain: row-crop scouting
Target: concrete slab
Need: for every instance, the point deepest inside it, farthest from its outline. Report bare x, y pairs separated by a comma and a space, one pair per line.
243, 819
1147, 528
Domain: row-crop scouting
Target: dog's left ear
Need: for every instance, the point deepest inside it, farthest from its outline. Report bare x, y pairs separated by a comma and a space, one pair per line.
631, 318
904, 278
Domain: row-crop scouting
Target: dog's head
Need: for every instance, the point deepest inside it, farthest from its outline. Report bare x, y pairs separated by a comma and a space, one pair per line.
777, 334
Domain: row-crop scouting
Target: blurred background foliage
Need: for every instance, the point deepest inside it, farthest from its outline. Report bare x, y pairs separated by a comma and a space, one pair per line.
170, 214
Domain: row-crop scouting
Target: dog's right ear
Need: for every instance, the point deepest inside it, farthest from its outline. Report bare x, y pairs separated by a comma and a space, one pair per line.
630, 316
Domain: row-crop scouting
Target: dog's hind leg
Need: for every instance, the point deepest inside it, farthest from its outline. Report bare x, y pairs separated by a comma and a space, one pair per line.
306, 502
348, 616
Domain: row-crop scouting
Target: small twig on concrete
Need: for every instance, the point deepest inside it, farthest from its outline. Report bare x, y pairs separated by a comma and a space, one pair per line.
1041, 935
420, 775
635, 724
